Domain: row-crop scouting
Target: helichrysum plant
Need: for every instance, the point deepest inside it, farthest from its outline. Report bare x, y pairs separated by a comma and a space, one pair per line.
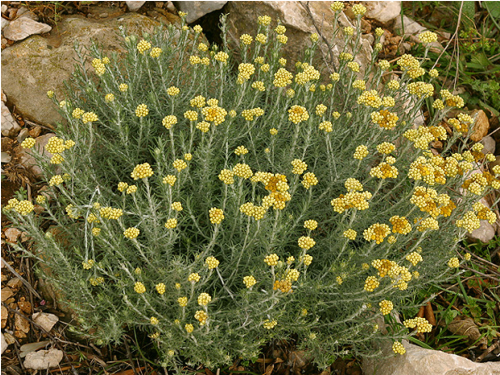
217, 205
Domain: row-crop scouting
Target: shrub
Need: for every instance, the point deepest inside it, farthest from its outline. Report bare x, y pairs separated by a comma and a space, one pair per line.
217, 206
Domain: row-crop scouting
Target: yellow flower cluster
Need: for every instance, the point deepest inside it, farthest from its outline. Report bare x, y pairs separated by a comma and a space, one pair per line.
246, 39
371, 283
414, 258
173, 91
123, 87
320, 109
310, 224
299, 166
141, 110
398, 348
214, 113
384, 118
245, 71
359, 84
354, 66
452, 100
355, 199
268, 324
385, 148
484, 213
221, 56
282, 78
271, 260
242, 170
264, 20
226, 176
203, 126
386, 307
98, 66
241, 150
141, 171
427, 37
359, 9
249, 114
327, 126
410, 64
56, 180
384, 170
189, 328
376, 232
139, 287
259, 86
182, 301
309, 73
249, 281
250, 209
143, 46
309, 179
131, 233
285, 286
160, 288
155, 52
204, 299
421, 89
306, 242
179, 164
216, 215
297, 114
400, 225
350, 234
171, 223
170, 179
211, 262
370, 98
110, 213
194, 277
23, 207
89, 117
454, 262
337, 6
421, 324
469, 221
428, 224
169, 121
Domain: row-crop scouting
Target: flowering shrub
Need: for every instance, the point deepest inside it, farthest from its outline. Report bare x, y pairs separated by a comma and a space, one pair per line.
218, 205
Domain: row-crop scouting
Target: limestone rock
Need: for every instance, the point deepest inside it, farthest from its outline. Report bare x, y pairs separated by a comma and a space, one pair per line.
411, 27
34, 66
29, 161
197, 9
5, 23
484, 233
44, 320
12, 234
43, 359
10, 127
134, 6
481, 125
3, 343
6, 158
23, 27
382, 11
489, 144
243, 18
419, 361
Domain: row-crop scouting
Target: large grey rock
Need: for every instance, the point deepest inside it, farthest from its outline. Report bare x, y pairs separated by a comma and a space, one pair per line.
34, 66
134, 6
197, 9
419, 361
5, 23
489, 144
243, 17
484, 233
43, 359
411, 27
10, 127
3, 343
383, 11
29, 161
45, 320
23, 27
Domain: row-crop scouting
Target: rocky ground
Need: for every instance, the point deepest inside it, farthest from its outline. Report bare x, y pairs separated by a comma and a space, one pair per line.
37, 55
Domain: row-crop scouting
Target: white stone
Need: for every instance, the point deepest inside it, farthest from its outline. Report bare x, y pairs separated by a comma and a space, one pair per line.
44, 320
5, 23
134, 6
411, 27
6, 158
170, 7
10, 127
43, 359
29, 161
3, 343
23, 27
484, 233
4, 8
25, 12
382, 11
419, 361
489, 144
197, 9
